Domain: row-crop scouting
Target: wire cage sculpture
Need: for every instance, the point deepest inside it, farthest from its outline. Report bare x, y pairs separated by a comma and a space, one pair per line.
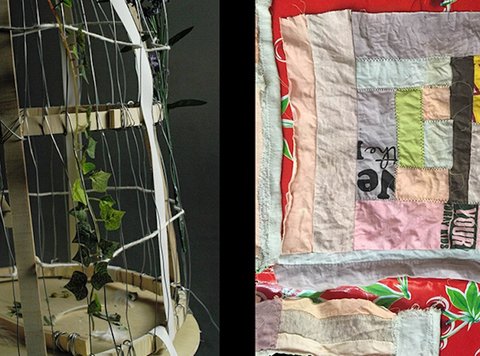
94, 249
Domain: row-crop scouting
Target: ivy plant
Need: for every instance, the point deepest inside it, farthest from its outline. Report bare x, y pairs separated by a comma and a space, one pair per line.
93, 249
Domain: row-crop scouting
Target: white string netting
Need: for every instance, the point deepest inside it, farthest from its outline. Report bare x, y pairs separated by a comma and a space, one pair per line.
113, 63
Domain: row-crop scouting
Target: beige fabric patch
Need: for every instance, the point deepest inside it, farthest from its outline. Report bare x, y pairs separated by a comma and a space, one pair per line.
436, 103
335, 86
336, 329
338, 307
304, 346
422, 184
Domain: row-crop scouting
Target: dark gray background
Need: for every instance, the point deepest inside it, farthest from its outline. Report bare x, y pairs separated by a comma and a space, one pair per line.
194, 73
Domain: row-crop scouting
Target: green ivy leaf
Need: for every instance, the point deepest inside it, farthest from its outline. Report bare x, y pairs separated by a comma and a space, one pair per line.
80, 213
108, 247
101, 276
179, 36
94, 306
74, 51
184, 103
286, 150
87, 243
78, 194
85, 235
82, 70
91, 145
87, 167
457, 298
381, 290
472, 297
107, 200
67, 3
114, 219
83, 256
110, 216
100, 181
386, 301
77, 285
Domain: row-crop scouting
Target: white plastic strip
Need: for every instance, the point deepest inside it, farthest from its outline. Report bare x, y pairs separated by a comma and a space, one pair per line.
146, 238
161, 332
145, 80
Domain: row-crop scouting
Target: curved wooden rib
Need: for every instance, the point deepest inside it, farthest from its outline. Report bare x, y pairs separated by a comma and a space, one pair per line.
146, 343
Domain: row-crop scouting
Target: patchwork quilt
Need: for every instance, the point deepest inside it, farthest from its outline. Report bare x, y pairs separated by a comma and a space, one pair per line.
368, 164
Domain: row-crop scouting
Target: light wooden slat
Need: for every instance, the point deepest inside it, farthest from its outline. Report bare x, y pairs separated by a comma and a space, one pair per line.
72, 137
38, 122
18, 194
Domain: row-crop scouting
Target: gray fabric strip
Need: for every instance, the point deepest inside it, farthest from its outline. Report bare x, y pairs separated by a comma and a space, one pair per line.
377, 145
461, 111
326, 271
269, 196
416, 35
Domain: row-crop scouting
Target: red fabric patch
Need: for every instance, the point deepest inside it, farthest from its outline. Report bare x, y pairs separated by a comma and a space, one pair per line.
458, 337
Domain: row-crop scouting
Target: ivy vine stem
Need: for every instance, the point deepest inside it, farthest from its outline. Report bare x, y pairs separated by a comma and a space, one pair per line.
71, 60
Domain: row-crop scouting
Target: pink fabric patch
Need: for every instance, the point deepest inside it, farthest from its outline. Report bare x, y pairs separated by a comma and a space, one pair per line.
436, 103
298, 224
394, 225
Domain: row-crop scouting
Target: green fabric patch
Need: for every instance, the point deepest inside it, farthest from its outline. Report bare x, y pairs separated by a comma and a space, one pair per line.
408, 106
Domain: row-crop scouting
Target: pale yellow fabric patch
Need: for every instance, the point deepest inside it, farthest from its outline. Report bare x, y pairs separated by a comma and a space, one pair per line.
422, 184
436, 103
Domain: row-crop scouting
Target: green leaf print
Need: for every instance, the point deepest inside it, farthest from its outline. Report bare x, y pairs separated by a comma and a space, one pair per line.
286, 150
314, 296
471, 294
381, 290
386, 301
457, 298
285, 102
